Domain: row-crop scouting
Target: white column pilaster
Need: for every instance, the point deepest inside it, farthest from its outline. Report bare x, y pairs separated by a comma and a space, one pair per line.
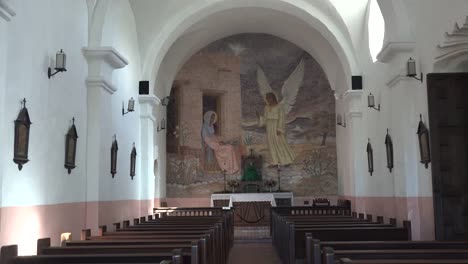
102, 61
147, 124
356, 143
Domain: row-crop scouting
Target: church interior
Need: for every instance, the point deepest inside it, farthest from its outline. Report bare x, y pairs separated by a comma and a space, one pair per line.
233, 131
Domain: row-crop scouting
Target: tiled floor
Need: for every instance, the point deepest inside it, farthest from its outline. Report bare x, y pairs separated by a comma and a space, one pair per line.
252, 251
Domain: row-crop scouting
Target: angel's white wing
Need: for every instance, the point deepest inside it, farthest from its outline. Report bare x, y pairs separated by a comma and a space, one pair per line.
291, 87
262, 81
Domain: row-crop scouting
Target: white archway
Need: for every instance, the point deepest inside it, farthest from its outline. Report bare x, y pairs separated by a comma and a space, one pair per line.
321, 19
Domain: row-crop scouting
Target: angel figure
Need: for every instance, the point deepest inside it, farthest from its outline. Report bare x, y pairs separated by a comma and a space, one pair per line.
274, 114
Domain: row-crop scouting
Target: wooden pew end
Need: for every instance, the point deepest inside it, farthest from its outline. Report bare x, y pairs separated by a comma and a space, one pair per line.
407, 225
85, 234
177, 256
380, 219
42, 243
7, 253
393, 222
328, 255
102, 230
116, 226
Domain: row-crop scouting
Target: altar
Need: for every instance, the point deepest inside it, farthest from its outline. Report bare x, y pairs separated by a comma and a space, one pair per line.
251, 209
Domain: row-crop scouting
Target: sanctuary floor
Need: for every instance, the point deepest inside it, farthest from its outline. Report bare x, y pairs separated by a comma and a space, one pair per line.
251, 251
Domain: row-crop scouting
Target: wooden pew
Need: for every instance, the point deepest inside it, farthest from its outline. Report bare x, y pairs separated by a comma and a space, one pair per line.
9, 255
193, 253
289, 227
330, 255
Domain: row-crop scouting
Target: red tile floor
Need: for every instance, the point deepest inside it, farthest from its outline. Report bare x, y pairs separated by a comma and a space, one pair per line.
253, 252
253, 245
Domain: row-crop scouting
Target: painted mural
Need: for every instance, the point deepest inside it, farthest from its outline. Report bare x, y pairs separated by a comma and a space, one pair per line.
248, 107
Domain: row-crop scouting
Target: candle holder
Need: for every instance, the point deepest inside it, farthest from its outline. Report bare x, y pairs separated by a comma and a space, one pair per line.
270, 183
278, 170
224, 175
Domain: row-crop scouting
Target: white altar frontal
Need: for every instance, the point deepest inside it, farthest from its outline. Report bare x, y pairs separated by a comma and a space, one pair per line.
252, 197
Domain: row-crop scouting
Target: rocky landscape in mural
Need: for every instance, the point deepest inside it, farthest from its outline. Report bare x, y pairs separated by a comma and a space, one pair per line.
251, 93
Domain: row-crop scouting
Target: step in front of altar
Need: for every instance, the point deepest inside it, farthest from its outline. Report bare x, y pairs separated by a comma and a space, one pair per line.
251, 232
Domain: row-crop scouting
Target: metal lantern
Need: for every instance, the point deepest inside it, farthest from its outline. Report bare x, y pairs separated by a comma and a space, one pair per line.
166, 100
371, 102
21, 146
424, 147
389, 149
411, 70
339, 120
114, 150
70, 147
60, 64
133, 161
130, 107
370, 158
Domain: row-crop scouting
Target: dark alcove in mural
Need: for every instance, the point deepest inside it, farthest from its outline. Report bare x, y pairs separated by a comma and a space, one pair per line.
251, 92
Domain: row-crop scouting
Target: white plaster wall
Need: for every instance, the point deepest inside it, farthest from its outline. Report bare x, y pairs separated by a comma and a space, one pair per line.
28, 44
27, 47
3, 64
119, 31
402, 102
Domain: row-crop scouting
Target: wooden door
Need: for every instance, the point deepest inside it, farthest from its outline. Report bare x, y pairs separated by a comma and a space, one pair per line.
448, 118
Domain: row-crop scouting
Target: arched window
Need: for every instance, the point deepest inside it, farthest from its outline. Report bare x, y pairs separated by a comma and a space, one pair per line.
376, 28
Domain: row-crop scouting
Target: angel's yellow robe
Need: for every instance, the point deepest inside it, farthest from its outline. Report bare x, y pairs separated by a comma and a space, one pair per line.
274, 121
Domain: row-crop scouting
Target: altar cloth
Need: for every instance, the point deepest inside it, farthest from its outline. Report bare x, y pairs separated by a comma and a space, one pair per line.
251, 197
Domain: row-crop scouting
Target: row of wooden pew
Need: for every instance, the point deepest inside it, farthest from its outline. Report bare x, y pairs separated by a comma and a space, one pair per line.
199, 236
300, 235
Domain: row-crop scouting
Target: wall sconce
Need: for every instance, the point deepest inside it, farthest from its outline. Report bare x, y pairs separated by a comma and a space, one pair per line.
162, 126
70, 147
114, 149
165, 101
133, 161
130, 108
22, 126
339, 121
60, 64
424, 144
389, 150
371, 102
411, 70
370, 158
